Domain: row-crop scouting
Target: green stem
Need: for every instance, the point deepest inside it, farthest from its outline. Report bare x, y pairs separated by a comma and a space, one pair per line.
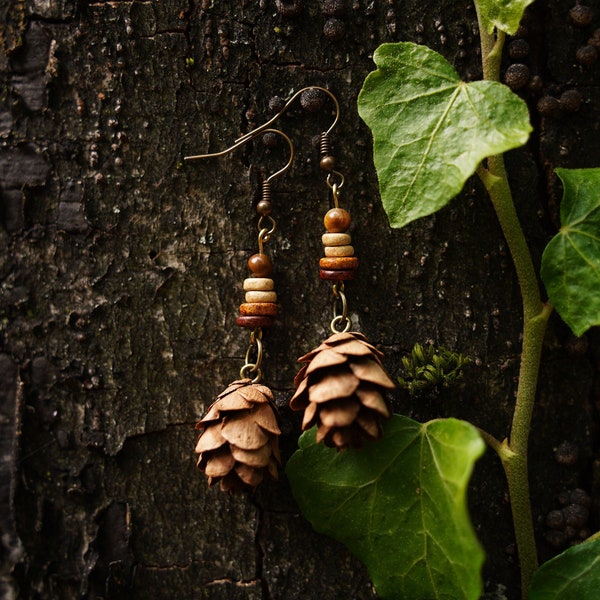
513, 454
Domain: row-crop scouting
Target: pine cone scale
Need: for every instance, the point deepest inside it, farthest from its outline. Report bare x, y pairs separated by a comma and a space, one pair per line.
219, 464
369, 370
243, 432
339, 413
338, 384
252, 458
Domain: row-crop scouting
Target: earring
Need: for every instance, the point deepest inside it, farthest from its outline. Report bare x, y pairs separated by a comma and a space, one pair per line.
238, 443
342, 383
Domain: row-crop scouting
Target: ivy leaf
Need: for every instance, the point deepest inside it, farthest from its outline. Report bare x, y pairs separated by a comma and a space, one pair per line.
399, 504
572, 575
571, 261
430, 129
503, 14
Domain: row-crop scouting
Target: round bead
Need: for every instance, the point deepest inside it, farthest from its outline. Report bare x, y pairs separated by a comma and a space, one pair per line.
258, 309
264, 208
336, 239
339, 263
253, 322
339, 251
336, 275
337, 220
258, 284
327, 163
260, 265
261, 296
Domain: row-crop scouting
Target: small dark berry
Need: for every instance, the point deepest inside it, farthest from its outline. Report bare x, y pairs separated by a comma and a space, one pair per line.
334, 29
333, 8
270, 139
276, 104
288, 8
579, 496
517, 76
312, 100
555, 519
565, 497
570, 532
567, 453
575, 515
518, 49
587, 55
557, 539
581, 15
595, 39
548, 106
536, 84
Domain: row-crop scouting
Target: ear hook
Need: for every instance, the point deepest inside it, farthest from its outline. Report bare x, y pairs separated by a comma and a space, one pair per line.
241, 141
264, 126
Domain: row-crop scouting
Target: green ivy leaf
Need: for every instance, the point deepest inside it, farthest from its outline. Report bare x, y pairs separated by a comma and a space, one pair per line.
571, 261
399, 504
572, 575
431, 130
503, 14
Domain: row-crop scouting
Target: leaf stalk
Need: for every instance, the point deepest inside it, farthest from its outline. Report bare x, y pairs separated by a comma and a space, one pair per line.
513, 454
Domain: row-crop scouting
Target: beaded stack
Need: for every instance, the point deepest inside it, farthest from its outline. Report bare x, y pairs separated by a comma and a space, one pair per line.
260, 306
339, 263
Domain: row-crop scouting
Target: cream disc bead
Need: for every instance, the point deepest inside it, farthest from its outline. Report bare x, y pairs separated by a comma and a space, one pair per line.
336, 239
253, 296
258, 284
339, 251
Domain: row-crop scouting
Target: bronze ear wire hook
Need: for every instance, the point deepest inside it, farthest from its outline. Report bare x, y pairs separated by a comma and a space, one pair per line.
246, 138
327, 162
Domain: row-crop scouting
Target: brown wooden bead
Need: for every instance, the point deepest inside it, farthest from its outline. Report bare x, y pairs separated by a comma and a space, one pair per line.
337, 220
260, 265
258, 309
339, 263
253, 322
330, 275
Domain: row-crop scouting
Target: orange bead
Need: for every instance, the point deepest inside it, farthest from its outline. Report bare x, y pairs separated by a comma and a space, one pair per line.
337, 220
258, 309
260, 265
339, 263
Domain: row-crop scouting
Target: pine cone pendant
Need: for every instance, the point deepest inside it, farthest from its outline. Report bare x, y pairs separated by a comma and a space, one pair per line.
340, 389
238, 443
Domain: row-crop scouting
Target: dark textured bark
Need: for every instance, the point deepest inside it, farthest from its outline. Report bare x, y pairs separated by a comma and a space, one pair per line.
121, 272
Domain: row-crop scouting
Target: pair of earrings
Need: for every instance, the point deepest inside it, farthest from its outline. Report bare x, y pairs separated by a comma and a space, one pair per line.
341, 385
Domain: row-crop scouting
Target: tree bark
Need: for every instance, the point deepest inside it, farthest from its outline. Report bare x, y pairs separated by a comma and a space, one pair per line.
122, 266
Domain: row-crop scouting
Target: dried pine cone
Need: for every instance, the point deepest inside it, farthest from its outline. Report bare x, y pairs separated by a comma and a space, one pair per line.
341, 390
238, 444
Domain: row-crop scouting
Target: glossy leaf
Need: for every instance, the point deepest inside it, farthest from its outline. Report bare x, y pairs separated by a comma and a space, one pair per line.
571, 261
399, 504
572, 575
431, 130
502, 14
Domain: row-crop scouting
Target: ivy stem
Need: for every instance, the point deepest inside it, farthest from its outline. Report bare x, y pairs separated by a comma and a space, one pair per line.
513, 452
